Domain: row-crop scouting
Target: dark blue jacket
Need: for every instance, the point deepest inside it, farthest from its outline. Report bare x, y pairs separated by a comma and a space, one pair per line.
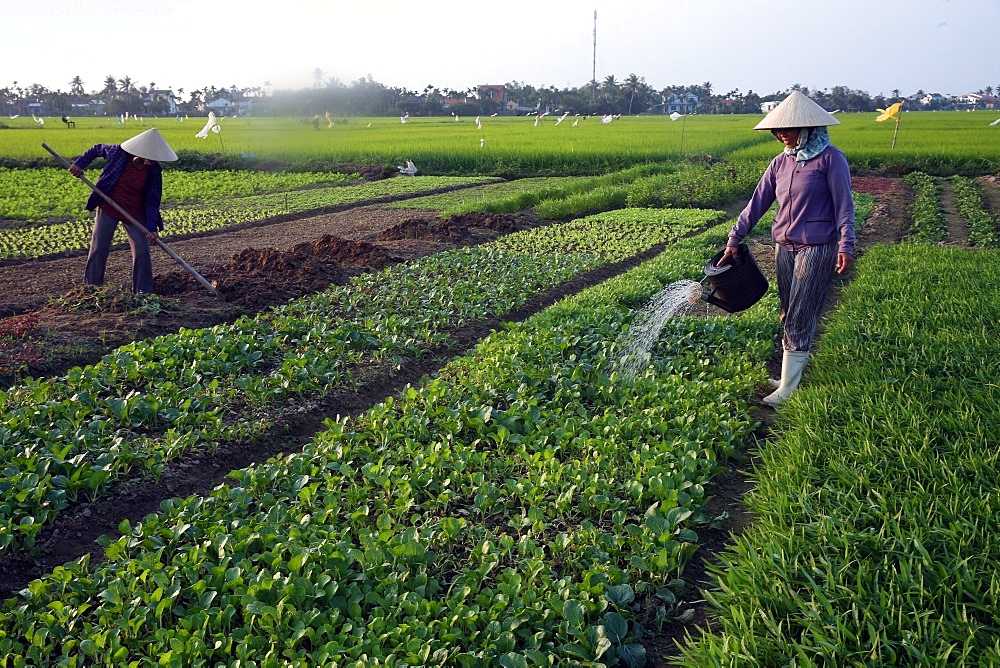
116, 159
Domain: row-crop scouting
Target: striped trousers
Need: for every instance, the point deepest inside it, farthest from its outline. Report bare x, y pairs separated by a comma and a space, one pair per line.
804, 278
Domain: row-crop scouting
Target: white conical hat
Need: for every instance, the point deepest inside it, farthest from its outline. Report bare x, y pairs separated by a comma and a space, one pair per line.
150, 145
797, 111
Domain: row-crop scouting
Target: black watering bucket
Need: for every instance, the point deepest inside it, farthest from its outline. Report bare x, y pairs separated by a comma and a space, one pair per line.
736, 285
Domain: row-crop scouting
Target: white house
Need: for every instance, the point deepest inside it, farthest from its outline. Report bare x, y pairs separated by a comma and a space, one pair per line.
683, 104
167, 96
220, 105
931, 98
971, 100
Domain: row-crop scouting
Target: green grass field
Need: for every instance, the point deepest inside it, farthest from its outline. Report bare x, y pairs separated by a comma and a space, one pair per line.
934, 142
525, 506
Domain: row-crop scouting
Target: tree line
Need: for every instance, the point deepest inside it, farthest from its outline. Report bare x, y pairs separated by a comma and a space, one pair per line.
367, 97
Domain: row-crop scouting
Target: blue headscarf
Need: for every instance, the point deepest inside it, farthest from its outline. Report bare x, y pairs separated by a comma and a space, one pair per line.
812, 142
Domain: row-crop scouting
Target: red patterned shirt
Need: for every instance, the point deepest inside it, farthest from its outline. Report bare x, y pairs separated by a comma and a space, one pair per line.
127, 193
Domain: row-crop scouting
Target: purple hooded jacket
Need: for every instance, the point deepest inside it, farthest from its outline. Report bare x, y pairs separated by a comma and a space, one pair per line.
116, 159
814, 202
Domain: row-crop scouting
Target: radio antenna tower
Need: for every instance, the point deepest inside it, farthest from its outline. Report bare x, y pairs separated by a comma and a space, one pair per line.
593, 78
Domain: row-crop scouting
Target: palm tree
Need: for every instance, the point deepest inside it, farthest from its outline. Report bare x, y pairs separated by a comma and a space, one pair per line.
110, 85
76, 85
633, 84
610, 85
895, 92
125, 86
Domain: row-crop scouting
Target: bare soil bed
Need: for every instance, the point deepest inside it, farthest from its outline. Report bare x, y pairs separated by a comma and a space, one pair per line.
265, 265
253, 269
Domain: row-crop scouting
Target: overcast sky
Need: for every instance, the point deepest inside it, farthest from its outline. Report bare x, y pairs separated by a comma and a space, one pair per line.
944, 46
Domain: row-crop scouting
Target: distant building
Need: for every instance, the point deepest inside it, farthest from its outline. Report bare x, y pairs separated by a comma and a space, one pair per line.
769, 106
494, 92
89, 108
160, 100
452, 101
682, 104
39, 109
244, 106
516, 108
969, 100
975, 101
221, 105
932, 98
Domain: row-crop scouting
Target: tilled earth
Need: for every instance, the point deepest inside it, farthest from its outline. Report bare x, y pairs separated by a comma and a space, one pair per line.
252, 269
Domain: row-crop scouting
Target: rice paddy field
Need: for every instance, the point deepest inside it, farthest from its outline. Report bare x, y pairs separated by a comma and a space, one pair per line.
473, 481
935, 142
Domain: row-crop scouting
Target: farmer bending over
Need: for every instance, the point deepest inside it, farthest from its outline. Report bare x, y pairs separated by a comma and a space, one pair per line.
133, 179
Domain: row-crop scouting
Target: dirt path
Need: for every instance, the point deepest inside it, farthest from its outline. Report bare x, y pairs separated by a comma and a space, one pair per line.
958, 229
990, 187
54, 277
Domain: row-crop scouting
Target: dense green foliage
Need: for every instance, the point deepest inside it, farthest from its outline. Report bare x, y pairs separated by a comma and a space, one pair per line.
562, 198
50, 194
872, 542
527, 505
148, 402
490, 515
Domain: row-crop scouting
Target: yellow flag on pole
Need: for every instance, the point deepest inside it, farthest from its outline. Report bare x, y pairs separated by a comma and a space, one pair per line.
891, 112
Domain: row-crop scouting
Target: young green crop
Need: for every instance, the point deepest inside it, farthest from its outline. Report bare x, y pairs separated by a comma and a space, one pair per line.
215, 213
523, 506
929, 225
50, 194
984, 229
873, 535
148, 402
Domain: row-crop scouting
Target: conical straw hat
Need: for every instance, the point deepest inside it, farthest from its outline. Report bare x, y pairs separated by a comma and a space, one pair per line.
797, 111
150, 145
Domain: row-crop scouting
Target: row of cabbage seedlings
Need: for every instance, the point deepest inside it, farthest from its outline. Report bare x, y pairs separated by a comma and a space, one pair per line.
527, 506
149, 402
188, 218
653, 185
874, 541
50, 194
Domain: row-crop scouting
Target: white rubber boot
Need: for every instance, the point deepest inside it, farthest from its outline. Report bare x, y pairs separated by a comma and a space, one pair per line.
793, 363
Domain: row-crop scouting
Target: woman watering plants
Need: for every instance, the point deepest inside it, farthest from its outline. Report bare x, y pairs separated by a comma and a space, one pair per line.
813, 228
133, 180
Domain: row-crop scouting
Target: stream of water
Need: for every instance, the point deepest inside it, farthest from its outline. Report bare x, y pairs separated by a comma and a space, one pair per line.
637, 343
